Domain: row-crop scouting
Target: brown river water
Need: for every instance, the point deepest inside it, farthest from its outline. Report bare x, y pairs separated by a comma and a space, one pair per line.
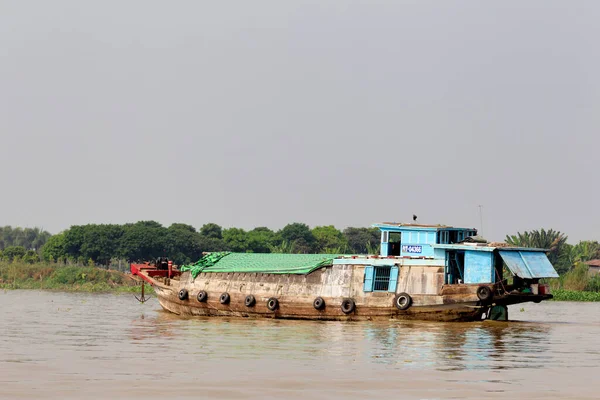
66, 345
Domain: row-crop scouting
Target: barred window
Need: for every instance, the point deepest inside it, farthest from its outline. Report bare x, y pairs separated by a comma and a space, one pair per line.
382, 279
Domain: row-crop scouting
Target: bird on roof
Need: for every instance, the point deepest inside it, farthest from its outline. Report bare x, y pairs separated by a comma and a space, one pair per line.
414, 218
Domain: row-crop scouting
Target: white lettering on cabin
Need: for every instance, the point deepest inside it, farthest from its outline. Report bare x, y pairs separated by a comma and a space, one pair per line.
412, 249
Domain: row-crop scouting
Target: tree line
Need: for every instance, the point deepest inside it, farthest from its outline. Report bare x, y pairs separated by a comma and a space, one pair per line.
22, 243
28, 238
102, 244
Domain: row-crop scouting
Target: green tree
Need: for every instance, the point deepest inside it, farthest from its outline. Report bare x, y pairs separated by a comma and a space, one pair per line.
583, 251
183, 244
31, 257
261, 239
12, 252
55, 248
211, 238
211, 244
74, 238
235, 239
101, 242
40, 239
553, 241
29, 238
362, 239
144, 240
300, 237
329, 240
211, 230
6, 238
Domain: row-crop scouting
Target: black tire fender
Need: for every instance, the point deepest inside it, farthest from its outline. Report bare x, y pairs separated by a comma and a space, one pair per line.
183, 294
348, 306
272, 304
202, 296
484, 293
250, 301
319, 303
224, 299
402, 301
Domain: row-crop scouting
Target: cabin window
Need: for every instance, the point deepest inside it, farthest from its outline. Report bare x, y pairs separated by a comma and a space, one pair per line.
430, 237
394, 240
384, 236
381, 281
452, 237
380, 278
443, 237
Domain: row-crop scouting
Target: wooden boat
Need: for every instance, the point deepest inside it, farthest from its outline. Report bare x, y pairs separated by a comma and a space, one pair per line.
425, 272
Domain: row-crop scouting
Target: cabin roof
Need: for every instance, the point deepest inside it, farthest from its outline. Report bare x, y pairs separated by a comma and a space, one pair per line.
402, 226
414, 225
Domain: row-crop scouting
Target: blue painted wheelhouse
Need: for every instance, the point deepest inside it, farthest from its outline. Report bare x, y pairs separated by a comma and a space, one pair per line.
467, 258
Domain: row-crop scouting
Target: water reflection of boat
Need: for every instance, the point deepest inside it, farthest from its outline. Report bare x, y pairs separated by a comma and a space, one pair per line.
426, 272
458, 347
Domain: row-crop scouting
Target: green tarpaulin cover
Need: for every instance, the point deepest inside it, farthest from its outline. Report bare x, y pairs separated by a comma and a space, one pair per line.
266, 263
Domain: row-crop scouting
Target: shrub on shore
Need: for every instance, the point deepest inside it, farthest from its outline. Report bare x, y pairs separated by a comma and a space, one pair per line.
20, 275
577, 279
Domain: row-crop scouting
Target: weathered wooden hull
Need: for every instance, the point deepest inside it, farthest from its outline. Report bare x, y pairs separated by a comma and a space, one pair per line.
296, 293
303, 309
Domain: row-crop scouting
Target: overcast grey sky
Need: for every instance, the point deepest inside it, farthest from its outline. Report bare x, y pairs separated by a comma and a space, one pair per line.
261, 113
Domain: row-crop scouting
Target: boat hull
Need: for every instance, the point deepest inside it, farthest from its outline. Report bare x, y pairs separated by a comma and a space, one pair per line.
295, 295
303, 309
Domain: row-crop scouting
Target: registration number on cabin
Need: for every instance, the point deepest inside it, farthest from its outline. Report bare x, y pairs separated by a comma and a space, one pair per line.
412, 249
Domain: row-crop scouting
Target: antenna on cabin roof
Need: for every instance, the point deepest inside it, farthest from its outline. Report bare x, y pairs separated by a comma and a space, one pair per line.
414, 218
480, 220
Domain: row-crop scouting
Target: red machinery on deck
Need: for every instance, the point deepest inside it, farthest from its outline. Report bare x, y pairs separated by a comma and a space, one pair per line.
162, 267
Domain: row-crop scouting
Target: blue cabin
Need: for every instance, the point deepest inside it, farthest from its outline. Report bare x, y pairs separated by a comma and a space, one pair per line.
411, 240
466, 258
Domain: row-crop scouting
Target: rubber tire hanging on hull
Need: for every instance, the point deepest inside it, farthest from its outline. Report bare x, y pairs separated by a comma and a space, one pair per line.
485, 294
272, 304
183, 294
402, 301
250, 301
224, 299
319, 303
348, 306
202, 296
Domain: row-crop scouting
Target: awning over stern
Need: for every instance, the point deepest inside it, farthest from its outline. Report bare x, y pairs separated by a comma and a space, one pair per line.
529, 264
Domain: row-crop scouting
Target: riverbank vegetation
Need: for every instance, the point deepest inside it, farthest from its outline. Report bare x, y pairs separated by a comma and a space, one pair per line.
576, 285
52, 276
67, 259
94, 244
575, 295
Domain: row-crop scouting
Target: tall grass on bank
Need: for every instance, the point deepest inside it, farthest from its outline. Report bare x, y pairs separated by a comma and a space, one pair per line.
576, 285
19, 275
